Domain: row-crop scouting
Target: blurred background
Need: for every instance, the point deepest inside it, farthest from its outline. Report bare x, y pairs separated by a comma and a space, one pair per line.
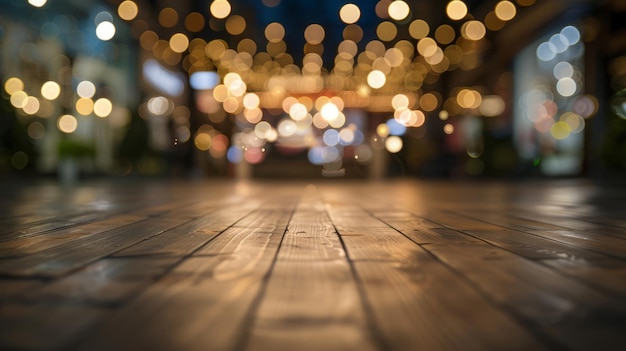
325, 88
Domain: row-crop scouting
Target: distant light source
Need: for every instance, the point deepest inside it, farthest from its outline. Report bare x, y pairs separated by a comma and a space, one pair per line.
393, 144
127, 10
37, 3
67, 124
456, 10
376, 79
220, 9
398, 10
105, 30
50, 90
102, 107
505, 10
349, 13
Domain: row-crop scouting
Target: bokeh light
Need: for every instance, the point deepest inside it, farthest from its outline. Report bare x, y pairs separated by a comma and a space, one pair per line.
376, 79
105, 30
398, 10
349, 13
456, 10
220, 9
50, 90
127, 10
505, 10
67, 124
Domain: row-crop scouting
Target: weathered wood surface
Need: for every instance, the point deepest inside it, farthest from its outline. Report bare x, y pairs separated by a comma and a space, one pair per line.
406, 265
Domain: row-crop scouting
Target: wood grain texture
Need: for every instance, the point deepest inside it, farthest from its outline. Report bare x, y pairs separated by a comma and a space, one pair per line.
289, 265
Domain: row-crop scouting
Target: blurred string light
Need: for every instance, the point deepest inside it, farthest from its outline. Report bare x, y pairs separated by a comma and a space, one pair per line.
386, 72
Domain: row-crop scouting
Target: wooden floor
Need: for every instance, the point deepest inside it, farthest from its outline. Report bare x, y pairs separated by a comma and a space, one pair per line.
405, 265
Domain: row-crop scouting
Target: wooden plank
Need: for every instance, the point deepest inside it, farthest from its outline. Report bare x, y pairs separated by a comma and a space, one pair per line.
310, 306
311, 234
56, 222
64, 258
16, 288
30, 244
533, 246
202, 303
559, 305
606, 245
345, 216
508, 221
311, 243
605, 274
455, 221
267, 219
105, 282
385, 244
186, 238
45, 326
422, 305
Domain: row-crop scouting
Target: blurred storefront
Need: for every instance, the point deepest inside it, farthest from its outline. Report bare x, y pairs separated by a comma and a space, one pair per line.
342, 89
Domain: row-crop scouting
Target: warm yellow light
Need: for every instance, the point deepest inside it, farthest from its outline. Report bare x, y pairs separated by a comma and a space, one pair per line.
492, 22
251, 101
274, 32
314, 34
67, 124
444, 34
194, 22
127, 10
298, 111
560, 130
448, 128
386, 31
102, 107
349, 13
469, 98
203, 141
382, 130
179, 42
427, 47
13, 85
505, 10
31, 105
50, 90
376, 79
393, 144
254, 115
398, 10
418, 29
84, 106
220, 9
492, 105
18, 99
456, 10
329, 111
429, 102
473, 30
168, 17
235, 25
220, 93
400, 101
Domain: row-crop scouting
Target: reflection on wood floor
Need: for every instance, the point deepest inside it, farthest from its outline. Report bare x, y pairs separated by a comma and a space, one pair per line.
405, 265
